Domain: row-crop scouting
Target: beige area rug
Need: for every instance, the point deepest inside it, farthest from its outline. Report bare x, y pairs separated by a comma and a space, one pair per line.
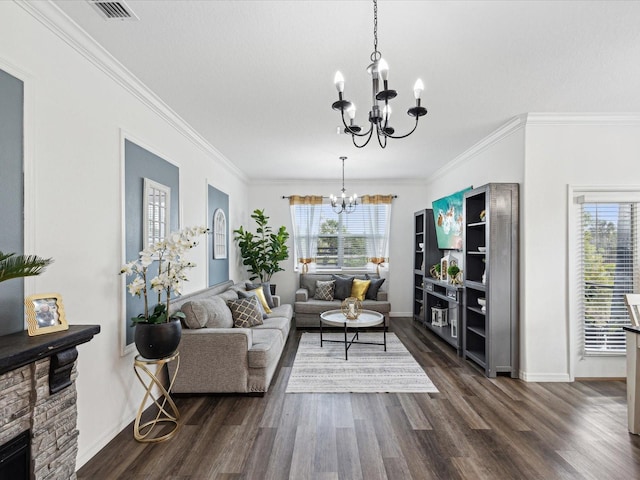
369, 369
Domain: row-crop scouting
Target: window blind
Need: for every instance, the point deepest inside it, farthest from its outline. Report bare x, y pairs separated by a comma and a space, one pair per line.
608, 262
342, 238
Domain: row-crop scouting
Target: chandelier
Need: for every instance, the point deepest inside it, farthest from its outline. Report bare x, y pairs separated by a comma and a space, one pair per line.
380, 110
342, 203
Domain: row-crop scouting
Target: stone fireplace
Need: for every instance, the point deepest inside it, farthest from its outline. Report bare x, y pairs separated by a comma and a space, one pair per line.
38, 396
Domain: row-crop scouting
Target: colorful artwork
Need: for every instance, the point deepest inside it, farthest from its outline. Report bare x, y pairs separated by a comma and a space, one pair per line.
447, 213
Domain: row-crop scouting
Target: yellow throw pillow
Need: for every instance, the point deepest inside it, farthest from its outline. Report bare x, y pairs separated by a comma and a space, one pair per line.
260, 294
359, 288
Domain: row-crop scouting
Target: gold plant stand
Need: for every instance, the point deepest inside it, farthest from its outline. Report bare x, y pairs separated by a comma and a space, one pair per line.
167, 410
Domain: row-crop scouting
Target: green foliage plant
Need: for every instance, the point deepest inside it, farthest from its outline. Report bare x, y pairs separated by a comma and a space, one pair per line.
263, 250
17, 266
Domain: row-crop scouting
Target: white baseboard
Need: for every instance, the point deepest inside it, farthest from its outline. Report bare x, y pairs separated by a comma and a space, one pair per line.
401, 314
545, 377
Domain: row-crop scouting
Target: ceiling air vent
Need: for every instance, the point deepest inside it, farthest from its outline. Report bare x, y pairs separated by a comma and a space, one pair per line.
113, 10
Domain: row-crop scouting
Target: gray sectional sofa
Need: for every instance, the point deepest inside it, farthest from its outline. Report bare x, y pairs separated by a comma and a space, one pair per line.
308, 310
217, 357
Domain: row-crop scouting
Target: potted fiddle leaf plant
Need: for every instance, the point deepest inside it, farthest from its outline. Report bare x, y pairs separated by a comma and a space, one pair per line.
17, 266
160, 269
263, 250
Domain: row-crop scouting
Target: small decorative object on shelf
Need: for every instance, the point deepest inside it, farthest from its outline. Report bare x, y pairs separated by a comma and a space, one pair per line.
439, 316
351, 308
434, 271
483, 303
445, 262
455, 275
454, 328
483, 215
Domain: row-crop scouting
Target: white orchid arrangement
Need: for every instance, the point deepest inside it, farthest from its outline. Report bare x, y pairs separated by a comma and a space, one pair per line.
172, 271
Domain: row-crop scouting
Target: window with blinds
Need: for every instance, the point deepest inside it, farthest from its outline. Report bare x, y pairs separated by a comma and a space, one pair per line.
608, 264
342, 238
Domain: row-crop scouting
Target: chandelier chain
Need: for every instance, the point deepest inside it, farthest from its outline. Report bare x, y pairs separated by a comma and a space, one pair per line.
375, 26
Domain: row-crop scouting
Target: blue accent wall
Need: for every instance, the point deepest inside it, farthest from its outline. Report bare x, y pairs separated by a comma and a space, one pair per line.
140, 164
218, 268
12, 197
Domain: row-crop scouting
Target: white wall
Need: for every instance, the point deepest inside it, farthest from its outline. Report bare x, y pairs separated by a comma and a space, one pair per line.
411, 197
563, 151
546, 154
75, 117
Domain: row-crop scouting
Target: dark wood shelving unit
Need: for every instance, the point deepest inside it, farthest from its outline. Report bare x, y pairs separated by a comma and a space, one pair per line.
491, 334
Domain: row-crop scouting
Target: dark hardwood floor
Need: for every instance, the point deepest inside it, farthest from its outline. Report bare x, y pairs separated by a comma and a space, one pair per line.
474, 428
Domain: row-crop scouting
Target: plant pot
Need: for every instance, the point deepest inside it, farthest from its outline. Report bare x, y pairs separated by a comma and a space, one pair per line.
158, 340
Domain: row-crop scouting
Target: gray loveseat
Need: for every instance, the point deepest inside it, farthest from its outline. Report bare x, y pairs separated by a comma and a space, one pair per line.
221, 358
308, 310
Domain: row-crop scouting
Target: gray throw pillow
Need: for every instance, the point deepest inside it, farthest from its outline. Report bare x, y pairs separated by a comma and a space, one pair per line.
343, 287
243, 294
324, 290
372, 292
246, 312
266, 289
209, 312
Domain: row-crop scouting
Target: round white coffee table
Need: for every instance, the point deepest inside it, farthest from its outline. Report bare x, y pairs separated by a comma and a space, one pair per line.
367, 318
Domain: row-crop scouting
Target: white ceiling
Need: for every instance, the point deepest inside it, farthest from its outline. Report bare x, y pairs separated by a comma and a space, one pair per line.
255, 78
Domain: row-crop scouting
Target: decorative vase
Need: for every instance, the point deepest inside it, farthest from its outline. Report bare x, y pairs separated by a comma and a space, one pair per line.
158, 340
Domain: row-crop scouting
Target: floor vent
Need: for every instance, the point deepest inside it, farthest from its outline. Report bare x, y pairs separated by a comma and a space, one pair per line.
113, 10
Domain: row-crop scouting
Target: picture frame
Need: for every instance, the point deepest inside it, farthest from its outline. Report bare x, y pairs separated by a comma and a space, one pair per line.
45, 314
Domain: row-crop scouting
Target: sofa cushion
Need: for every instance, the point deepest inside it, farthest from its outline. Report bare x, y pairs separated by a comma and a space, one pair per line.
210, 312
343, 287
359, 288
246, 312
277, 323
372, 292
266, 289
284, 311
228, 295
252, 293
266, 348
317, 306
324, 290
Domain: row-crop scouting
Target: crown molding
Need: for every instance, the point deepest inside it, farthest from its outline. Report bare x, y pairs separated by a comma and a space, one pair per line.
509, 128
332, 182
533, 119
71, 33
614, 119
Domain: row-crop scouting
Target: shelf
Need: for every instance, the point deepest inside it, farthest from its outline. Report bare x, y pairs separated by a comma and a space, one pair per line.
476, 309
475, 285
478, 331
478, 357
476, 224
418, 300
444, 333
476, 253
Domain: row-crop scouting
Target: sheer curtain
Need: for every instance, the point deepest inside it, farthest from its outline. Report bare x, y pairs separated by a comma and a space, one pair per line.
305, 218
377, 217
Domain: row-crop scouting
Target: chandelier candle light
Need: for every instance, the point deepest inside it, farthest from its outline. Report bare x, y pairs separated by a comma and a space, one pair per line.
343, 204
378, 117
